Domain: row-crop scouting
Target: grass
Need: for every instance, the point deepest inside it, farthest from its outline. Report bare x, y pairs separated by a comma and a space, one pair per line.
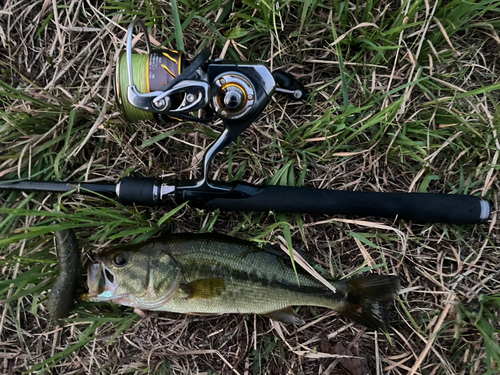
406, 98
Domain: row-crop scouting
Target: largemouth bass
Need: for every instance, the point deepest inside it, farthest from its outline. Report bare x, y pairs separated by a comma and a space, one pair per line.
214, 274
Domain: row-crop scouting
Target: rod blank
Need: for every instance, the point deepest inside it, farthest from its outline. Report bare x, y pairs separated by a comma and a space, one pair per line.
85, 188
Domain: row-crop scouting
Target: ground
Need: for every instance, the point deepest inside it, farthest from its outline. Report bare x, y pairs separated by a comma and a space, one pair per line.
405, 99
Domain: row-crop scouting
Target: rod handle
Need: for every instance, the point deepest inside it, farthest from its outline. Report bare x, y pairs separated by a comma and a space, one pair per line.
421, 207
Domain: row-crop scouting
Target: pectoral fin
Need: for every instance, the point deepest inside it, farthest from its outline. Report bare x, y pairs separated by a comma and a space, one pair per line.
286, 315
205, 288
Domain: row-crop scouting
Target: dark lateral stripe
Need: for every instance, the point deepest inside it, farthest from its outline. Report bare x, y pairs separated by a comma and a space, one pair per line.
223, 272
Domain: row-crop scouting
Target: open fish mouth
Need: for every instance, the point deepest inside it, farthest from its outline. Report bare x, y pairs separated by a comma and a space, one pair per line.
103, 286
101, 281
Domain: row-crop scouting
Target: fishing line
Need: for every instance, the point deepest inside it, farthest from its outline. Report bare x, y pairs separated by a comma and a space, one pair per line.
140, 67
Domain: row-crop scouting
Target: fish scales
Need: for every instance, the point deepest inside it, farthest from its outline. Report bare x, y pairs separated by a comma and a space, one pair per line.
257, 280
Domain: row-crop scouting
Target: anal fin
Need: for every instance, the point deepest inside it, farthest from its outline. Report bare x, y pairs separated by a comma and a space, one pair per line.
286, 315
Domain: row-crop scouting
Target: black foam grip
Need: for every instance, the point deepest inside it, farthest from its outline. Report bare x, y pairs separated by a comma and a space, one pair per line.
422, 207
138, 191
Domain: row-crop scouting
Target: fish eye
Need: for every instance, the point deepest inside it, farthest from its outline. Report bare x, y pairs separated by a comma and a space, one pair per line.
120, 259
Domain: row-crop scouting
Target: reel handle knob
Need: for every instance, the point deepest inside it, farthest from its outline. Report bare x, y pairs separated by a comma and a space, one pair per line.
289, 85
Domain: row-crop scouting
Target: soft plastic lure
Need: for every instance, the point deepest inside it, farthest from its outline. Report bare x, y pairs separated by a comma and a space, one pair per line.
62, 295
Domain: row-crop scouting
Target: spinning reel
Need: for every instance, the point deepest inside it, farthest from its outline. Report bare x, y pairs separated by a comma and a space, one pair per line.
171, 88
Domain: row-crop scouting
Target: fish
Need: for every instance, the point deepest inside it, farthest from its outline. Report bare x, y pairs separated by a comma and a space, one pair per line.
212, 274
63, 292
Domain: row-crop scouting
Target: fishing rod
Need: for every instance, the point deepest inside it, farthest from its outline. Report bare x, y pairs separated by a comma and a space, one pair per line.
242, 196
163, 86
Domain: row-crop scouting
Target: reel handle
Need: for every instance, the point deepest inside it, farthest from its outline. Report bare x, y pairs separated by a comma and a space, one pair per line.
289, 85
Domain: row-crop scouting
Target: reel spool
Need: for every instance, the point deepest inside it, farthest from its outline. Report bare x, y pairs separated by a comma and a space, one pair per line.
151, 72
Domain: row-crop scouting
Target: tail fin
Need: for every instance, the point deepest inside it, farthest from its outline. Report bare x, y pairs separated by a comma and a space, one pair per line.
368, 298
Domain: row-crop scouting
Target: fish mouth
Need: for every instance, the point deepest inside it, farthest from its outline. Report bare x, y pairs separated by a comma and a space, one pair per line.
101, 281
